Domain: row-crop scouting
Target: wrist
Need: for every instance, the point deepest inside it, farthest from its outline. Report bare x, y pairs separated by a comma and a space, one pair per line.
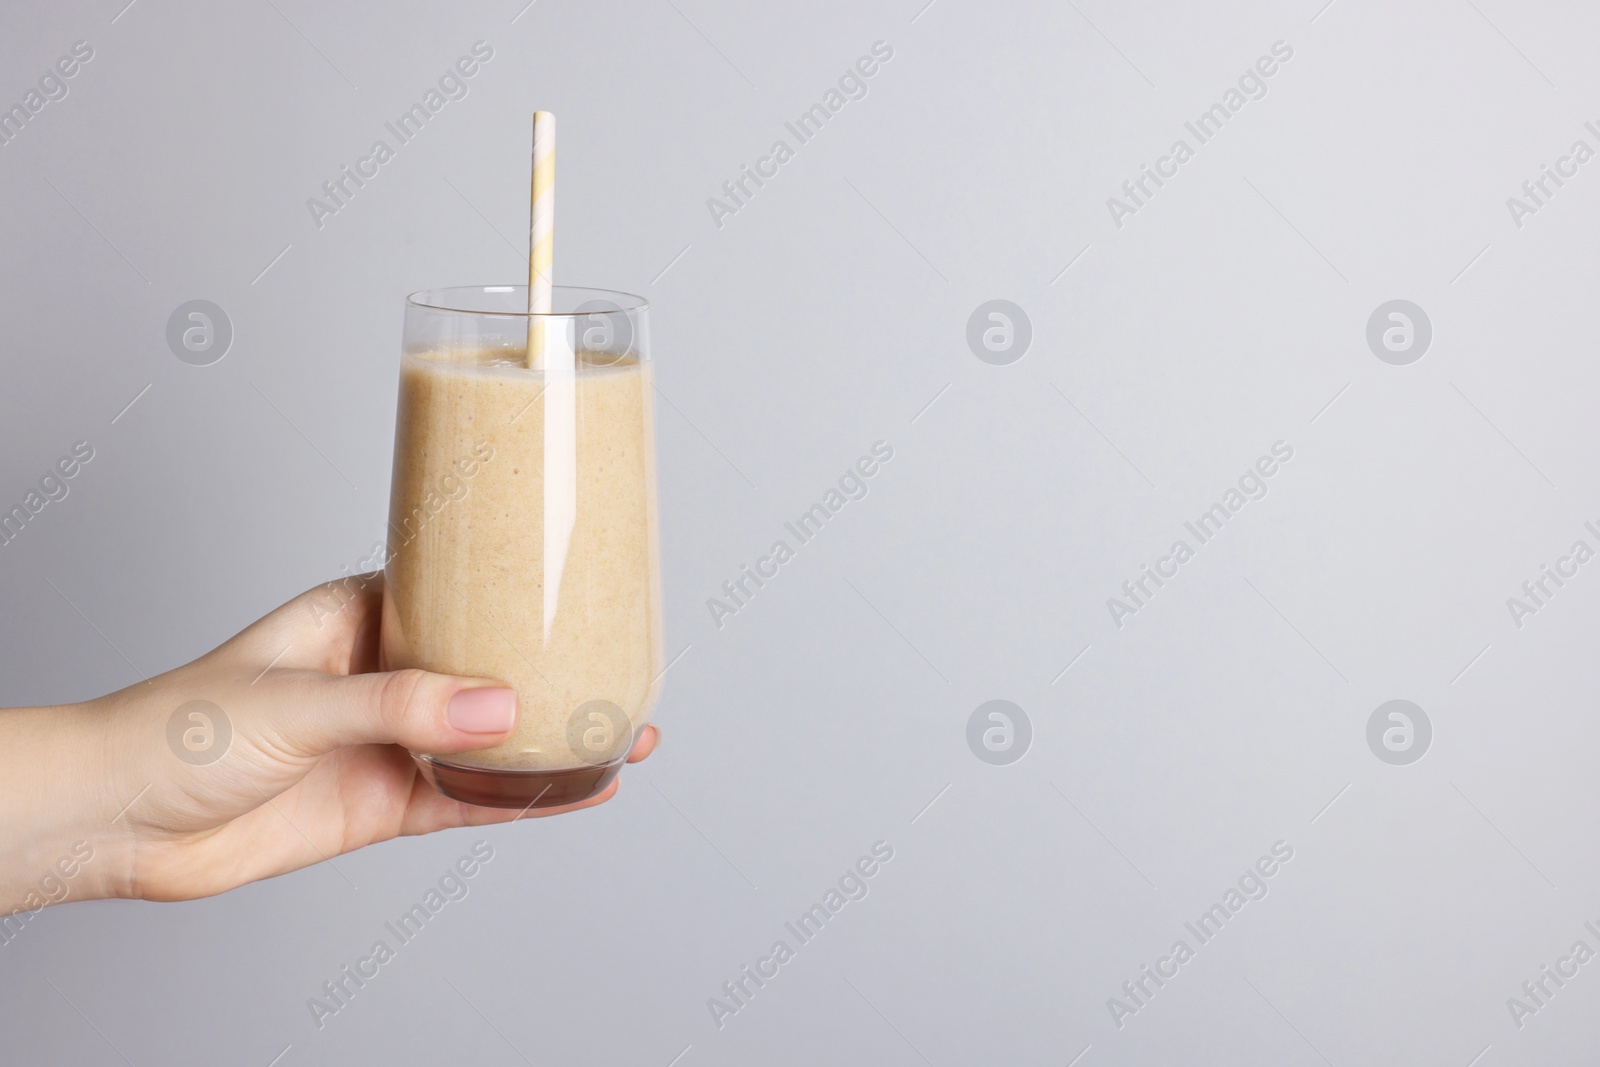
54, 836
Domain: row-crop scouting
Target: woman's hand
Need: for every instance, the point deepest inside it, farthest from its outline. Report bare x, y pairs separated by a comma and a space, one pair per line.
300, 755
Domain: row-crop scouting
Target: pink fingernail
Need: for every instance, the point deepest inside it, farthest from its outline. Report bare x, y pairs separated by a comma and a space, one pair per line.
483, 711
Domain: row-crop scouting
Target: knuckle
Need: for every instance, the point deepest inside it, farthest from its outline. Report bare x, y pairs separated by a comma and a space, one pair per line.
402, 696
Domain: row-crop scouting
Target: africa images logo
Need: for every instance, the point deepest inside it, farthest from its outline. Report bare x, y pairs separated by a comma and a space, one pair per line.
1252, 85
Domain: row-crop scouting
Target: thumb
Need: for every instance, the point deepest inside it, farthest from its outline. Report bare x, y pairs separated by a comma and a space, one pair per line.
423, 711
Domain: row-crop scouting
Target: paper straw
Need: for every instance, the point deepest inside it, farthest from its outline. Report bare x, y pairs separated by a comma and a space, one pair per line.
559, 398
541, 232
550, 350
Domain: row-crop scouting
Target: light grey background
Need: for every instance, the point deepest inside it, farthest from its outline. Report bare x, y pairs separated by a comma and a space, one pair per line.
1229, 714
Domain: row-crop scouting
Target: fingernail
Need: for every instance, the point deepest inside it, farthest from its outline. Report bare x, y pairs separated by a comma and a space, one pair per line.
483, 711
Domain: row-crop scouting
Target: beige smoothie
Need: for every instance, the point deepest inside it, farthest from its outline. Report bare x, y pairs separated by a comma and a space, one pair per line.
522, 543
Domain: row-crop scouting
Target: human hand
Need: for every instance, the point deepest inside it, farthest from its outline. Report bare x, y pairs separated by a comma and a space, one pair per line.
317, 764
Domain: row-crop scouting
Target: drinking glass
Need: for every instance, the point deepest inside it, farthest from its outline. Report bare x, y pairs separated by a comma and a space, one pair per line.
522, 541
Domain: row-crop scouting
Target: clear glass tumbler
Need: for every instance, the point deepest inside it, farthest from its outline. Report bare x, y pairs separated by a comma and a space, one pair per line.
522, 530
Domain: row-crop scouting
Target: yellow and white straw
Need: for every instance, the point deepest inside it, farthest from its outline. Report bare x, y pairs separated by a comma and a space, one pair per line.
550, 351
541, 232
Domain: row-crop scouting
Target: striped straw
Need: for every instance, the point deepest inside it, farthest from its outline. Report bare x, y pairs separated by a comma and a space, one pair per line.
541, 231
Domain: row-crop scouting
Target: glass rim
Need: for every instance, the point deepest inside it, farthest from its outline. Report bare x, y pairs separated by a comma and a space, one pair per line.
449, 298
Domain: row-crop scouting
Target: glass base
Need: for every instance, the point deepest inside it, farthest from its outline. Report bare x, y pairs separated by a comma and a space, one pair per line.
495, 788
